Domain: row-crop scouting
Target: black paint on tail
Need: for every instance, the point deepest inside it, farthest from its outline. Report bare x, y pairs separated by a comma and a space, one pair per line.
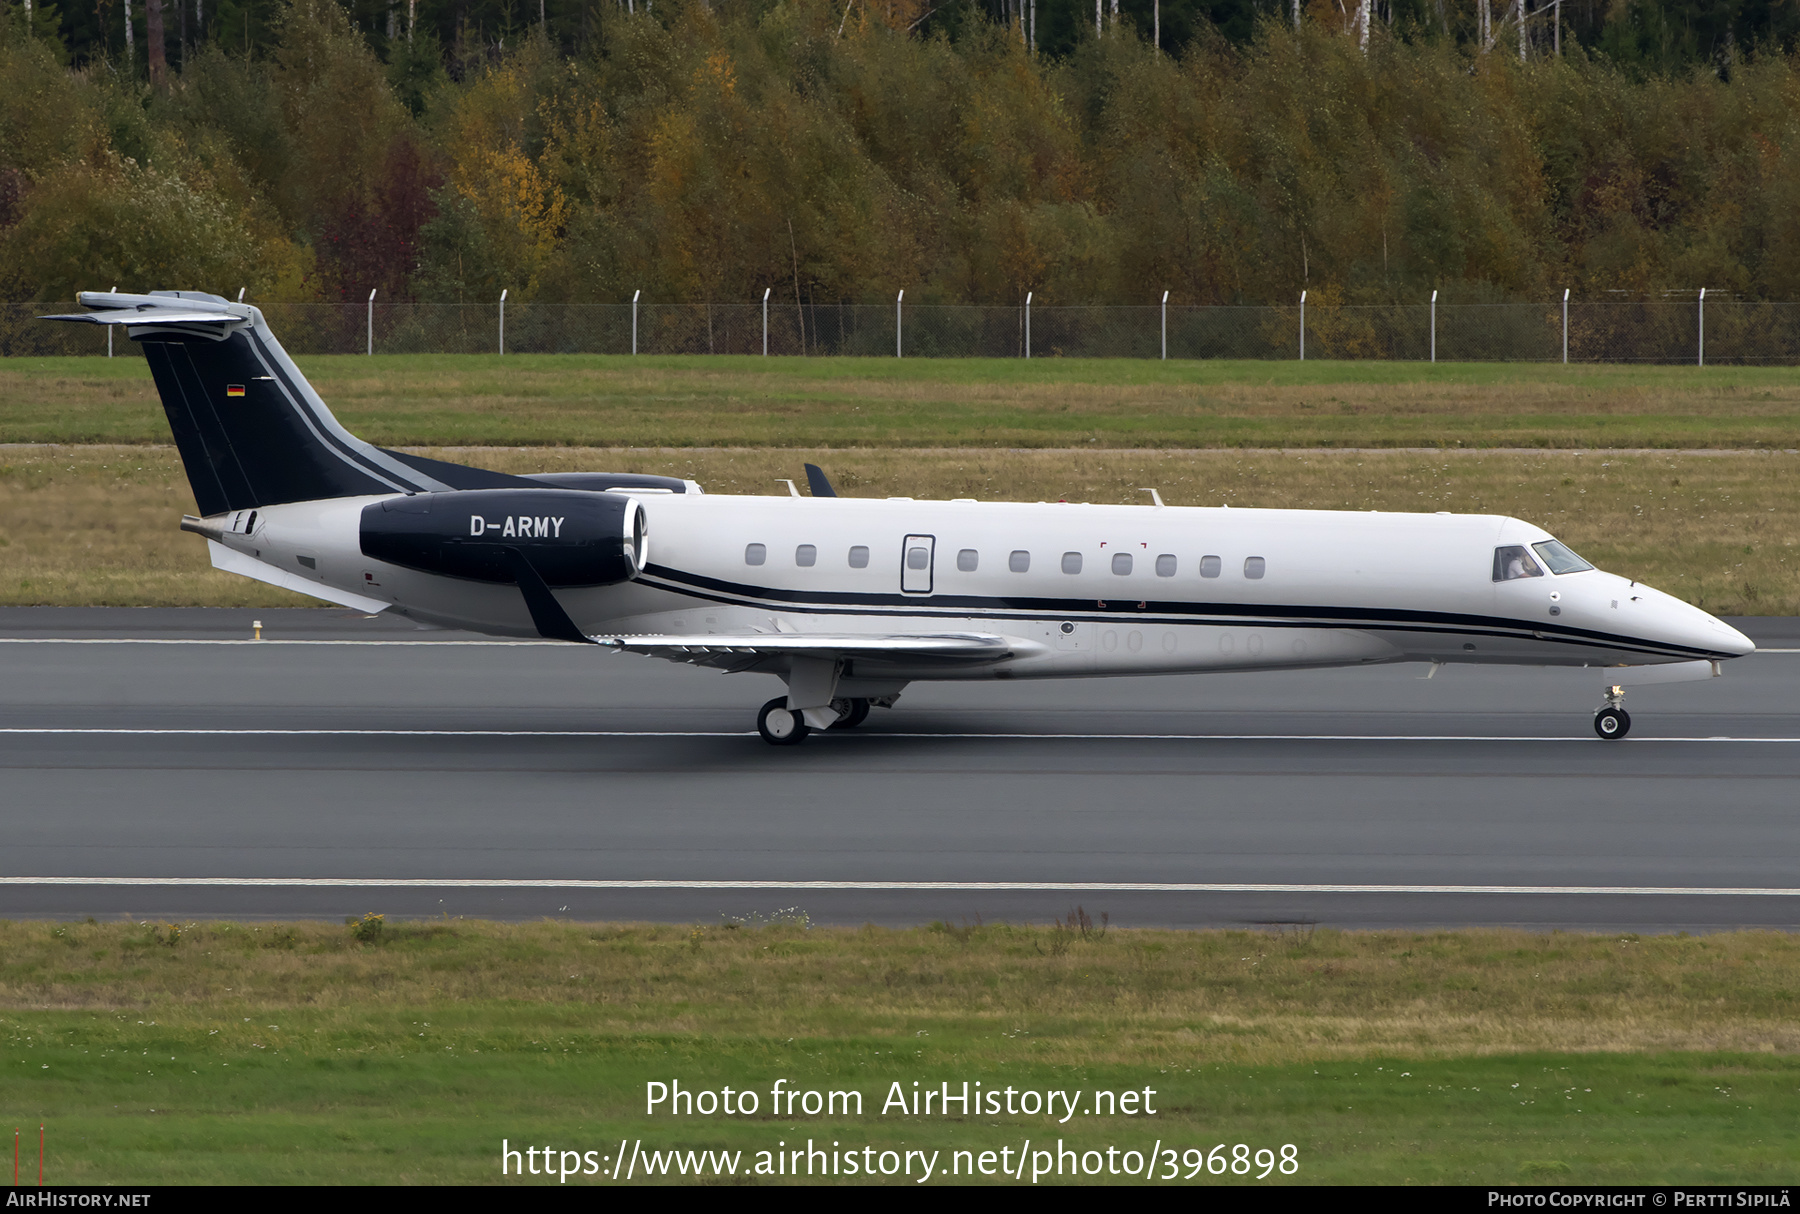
250, 429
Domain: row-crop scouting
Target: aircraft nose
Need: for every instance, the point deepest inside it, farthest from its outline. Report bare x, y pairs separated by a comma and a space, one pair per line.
1728, 639
1671, 620
1700, 630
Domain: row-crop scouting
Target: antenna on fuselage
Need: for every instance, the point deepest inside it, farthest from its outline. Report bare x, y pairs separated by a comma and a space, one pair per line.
1155, 497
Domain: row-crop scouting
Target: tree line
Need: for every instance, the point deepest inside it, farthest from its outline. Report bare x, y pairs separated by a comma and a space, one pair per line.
1232, 151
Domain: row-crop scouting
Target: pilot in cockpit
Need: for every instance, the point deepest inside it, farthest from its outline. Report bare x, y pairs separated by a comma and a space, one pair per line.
1513, 562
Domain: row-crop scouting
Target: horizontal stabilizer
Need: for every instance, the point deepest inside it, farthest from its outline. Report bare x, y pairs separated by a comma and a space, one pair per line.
219, 316
152, 315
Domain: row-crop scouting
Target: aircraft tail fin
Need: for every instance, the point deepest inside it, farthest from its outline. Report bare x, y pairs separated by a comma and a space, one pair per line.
251, 431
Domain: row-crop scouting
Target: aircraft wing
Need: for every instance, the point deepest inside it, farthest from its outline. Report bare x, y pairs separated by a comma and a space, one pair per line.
747, 649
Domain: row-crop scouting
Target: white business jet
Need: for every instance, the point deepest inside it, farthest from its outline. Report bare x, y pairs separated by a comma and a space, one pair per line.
849, 600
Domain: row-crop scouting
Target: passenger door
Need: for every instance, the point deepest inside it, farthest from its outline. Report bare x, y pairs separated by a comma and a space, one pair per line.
917, 556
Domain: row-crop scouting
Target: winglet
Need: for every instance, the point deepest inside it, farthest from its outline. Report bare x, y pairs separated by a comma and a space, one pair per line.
553, 623
815, 479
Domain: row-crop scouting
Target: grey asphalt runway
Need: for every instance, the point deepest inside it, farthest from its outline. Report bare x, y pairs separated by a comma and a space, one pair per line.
159, 763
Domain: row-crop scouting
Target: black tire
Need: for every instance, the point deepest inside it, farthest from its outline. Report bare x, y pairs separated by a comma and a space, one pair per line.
854, 713
789, 728
1612, 723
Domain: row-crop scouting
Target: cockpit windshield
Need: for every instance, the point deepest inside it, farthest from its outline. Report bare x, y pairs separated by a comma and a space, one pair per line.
1556, 554
1513, 562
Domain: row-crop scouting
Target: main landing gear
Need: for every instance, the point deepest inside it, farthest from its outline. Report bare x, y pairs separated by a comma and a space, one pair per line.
780, 726
1612, 722
851, 713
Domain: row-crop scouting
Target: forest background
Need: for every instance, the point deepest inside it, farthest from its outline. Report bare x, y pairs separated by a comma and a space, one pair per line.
578, 150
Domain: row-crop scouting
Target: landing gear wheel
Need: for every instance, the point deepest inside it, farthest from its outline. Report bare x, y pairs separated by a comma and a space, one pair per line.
851, 713
1612, 723
778, 726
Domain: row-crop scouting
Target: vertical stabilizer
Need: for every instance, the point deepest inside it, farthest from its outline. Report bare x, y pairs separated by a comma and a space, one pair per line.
250, 429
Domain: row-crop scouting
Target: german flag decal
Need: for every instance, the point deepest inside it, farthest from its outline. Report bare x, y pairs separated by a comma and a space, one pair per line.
234, 389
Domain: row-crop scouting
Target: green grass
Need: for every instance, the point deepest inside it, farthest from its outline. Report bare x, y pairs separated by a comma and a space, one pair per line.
593, 400
294, 1053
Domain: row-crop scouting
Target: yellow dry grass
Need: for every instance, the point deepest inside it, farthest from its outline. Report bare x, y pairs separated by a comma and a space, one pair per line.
97, 524
1065, 995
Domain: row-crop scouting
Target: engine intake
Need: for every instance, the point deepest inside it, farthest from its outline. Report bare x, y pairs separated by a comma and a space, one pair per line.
571, 538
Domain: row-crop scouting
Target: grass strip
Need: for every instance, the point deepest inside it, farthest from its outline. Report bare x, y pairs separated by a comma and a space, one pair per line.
96, 525
300, 1053
594, 400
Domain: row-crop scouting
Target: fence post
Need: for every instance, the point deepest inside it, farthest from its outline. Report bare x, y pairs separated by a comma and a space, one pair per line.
766, 291
1434, 326
1028, 325
372, 321
897, 301
503, 320
1165, 326
109, 328
634, 299
1702, 351
1303, 326
1565, 326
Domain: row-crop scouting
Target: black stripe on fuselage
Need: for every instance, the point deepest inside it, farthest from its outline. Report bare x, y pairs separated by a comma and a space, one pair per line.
1372, 619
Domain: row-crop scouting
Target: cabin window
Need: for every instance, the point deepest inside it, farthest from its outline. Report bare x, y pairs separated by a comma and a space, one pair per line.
1165, 565
1254, 567
1513, 562
1211, 566
755, 554
859, 557
918, 558
1071, 562
1019, 561
967, 560
1555, 554
806, 556
1121, 563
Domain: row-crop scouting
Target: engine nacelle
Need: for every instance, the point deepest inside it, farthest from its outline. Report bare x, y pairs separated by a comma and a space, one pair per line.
571, 538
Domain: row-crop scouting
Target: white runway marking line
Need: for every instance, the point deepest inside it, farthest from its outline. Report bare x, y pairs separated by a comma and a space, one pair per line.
1107, 887
750, 733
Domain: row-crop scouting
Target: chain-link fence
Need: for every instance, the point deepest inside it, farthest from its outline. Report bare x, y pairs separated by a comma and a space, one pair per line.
1588, 332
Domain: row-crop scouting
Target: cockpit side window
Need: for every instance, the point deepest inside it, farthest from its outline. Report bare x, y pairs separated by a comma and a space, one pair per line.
1514, 561
1556, 554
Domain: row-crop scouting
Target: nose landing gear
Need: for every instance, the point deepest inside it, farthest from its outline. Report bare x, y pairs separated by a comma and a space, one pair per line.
1612, 722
